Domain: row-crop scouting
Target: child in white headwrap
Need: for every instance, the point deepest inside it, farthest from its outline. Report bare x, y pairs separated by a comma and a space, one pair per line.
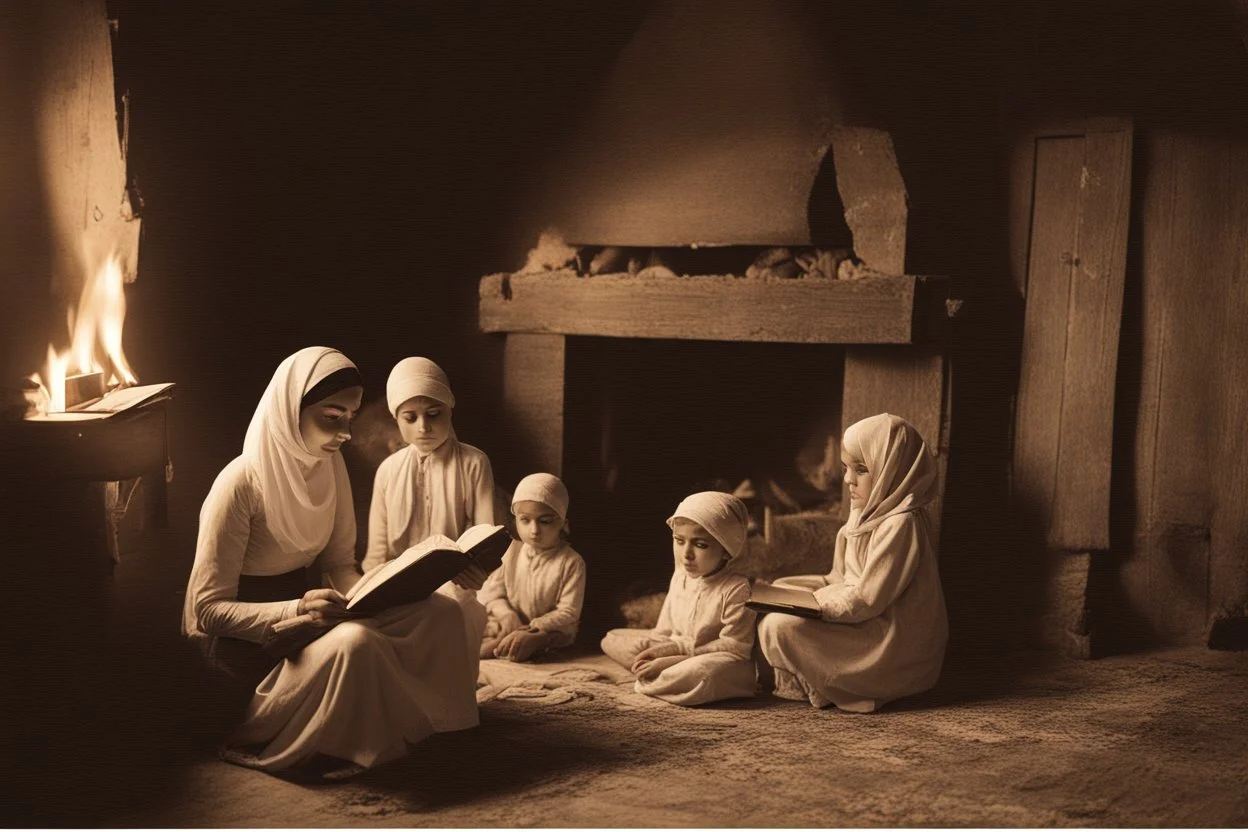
435, 485
884, 627
534, 599
700, 650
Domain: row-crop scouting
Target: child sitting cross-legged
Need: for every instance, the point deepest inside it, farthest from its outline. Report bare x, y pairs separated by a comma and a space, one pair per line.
700, 650
533, 601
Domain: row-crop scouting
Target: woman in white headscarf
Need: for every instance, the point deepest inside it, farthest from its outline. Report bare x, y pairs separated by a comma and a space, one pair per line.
883, 630
276, 543
699, 651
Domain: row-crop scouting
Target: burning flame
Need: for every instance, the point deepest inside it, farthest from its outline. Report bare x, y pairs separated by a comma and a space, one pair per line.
95, 335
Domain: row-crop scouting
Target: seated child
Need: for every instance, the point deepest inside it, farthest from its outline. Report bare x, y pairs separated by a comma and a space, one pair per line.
435, 485
883, 631
534, 599
700, 650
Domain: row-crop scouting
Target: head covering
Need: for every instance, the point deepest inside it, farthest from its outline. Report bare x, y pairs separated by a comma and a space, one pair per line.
903, 469
721, 514
417, 377
335, 382
297, 486
546, 489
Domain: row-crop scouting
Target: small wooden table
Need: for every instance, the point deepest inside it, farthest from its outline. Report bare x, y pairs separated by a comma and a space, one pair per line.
116, 451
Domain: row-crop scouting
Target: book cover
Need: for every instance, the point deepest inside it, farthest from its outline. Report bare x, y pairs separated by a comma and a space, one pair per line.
768, 598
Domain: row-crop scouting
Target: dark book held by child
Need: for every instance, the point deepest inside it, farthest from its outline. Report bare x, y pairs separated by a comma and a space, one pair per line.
412, 576
768, 598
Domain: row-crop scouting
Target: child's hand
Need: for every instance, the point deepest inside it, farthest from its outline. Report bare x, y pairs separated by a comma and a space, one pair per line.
647, 669
519, 645
657, 651
509, 622
472, 578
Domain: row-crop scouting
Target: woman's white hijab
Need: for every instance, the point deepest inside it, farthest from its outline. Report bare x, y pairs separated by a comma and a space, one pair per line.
297, 486
903, 468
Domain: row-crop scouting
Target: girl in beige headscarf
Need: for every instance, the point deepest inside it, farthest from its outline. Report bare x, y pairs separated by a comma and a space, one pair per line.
700, 649
434, 485
883, 630
362, 692
534, 599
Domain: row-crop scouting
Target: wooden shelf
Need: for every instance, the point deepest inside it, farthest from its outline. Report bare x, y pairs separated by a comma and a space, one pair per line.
903, 309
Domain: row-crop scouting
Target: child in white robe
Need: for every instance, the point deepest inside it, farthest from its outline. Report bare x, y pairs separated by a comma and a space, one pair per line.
434, 485
365, 689
700, 650
534, 599
884, 628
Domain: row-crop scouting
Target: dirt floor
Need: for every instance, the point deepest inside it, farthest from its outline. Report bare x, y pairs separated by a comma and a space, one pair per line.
108, 722
1147, 740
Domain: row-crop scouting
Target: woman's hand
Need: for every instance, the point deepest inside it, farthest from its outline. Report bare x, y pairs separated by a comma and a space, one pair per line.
321, 604
472, 578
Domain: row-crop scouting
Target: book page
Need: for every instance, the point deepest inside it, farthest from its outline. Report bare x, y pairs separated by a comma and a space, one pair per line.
379, 575
784, 597
124, 398
470, 538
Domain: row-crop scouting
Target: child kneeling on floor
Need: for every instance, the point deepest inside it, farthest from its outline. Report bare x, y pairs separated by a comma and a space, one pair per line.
533, 601
700, 650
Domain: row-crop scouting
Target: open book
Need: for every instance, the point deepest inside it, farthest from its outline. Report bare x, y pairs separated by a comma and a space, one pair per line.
415, 574
412, 576
768, 598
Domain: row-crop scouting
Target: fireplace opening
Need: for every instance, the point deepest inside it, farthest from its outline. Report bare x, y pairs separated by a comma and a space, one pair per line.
649, 421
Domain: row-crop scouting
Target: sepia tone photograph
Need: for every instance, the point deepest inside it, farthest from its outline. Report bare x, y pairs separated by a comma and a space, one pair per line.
668, 414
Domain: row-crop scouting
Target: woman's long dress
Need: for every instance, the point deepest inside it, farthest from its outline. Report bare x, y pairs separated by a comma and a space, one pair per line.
361, 692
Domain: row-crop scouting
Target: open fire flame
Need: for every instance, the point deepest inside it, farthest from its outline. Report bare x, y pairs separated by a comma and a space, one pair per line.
95, 327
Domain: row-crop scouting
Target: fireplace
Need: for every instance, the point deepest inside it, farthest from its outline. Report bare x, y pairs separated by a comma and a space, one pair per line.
599, 367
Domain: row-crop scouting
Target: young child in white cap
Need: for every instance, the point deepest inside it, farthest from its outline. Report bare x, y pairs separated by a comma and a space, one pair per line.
435, 485
534, 599
700, 650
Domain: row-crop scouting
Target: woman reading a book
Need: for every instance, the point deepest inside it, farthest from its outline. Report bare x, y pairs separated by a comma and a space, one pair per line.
883, 627
357, 695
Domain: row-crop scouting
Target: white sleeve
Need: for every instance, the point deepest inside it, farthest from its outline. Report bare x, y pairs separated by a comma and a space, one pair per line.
224, 531
892, 559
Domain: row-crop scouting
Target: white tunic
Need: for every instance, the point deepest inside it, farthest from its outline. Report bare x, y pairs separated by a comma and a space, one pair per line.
361, 691
546, 589
417, 495
706, 618
442, 492
884, 625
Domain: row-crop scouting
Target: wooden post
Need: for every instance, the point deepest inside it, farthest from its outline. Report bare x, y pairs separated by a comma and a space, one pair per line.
534, 367
1071, 234
912, 383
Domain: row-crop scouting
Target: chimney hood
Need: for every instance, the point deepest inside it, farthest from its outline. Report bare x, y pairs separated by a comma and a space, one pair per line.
712, 128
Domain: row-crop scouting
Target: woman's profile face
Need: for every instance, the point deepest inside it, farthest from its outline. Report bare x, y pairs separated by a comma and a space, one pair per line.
326, 425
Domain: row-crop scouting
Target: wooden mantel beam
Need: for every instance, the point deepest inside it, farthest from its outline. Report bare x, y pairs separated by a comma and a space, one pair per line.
875, 310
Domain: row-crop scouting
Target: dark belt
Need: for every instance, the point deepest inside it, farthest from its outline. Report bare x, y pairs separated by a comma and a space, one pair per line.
262, 588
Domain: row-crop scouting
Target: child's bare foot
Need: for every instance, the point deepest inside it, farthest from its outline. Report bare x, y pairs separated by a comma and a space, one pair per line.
487, 648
